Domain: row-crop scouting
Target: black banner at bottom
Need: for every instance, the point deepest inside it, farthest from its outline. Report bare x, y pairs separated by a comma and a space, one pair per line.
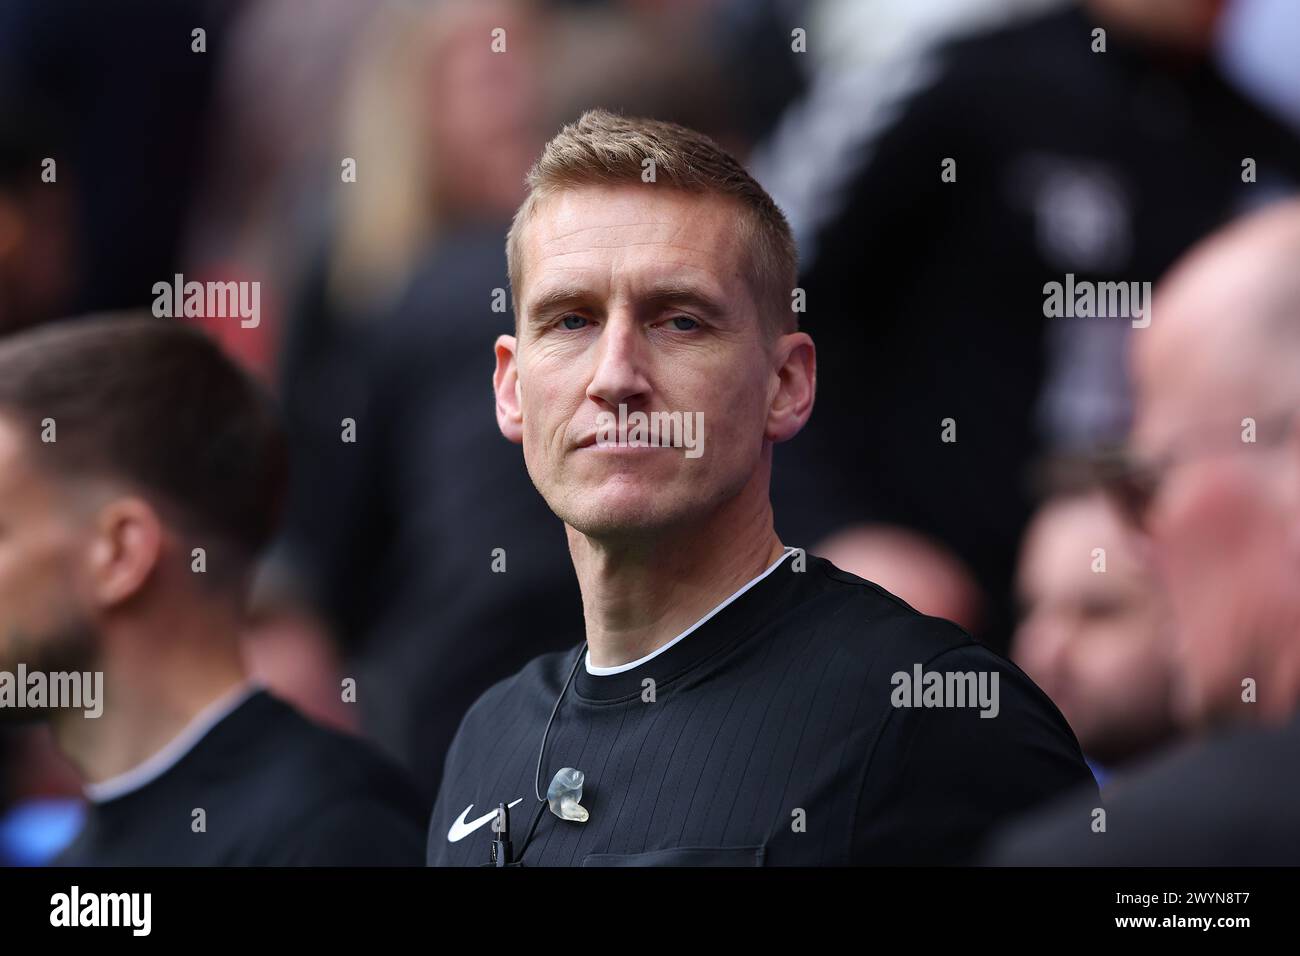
336, 905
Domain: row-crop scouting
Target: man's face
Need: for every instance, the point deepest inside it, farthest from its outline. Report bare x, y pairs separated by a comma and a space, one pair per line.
637, 296
1094, 636
43, 620
1218, 523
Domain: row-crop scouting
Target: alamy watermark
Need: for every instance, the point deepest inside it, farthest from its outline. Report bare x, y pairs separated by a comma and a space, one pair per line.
1098, 300
651, 429
923, 688
133, 911
59, 690
196, 300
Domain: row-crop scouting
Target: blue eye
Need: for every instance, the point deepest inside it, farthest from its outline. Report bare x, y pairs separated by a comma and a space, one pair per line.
690, 323
573, 322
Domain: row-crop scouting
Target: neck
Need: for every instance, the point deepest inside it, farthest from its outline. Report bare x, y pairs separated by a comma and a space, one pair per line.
638, 594
160, 671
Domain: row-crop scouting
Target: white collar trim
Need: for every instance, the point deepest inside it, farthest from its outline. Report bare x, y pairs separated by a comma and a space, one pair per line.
164, 759
620, 668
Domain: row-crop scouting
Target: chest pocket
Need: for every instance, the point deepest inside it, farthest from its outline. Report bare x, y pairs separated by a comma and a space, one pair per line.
682, 856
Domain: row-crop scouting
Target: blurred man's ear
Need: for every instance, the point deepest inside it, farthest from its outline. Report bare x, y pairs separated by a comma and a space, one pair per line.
505, 382
125, 550
794, 386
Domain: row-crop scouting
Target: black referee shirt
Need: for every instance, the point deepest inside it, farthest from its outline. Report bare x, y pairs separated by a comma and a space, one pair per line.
768, 736
275, 790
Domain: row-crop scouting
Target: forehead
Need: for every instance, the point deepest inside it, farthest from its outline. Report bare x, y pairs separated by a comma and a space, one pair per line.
1200, 358
620, 235
1059, 544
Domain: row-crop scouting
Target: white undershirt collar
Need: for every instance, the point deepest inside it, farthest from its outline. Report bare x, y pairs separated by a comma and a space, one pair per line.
620, 668
164, 759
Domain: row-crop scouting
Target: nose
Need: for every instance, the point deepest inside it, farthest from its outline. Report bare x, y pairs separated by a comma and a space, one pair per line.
620, 373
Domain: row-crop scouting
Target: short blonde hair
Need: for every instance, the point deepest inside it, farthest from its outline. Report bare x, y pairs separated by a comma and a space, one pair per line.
603, 148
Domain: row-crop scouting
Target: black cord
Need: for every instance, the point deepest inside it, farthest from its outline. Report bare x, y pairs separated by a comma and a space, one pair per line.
541, 807
541, 752
537, 778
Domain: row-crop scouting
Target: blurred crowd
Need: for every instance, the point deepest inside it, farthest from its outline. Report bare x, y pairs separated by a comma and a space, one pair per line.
1074, 491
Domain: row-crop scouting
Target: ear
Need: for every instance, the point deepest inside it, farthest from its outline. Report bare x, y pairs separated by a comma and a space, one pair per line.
794, 385
125, 551
505, 382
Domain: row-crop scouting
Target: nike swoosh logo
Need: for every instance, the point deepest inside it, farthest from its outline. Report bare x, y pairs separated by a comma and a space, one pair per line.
461, 829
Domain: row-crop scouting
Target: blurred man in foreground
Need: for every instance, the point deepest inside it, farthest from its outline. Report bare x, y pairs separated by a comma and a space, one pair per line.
140, 476
1215, 483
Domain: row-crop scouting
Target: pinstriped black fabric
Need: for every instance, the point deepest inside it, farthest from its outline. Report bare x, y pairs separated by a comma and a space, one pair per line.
771, 738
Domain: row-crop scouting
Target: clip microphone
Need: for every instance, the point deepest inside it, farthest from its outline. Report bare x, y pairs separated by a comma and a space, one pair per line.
502, 850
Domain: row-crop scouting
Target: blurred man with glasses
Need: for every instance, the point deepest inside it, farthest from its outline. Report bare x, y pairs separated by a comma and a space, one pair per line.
1211, 484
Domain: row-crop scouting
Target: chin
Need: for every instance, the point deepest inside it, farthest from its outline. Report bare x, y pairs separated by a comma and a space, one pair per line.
626, 512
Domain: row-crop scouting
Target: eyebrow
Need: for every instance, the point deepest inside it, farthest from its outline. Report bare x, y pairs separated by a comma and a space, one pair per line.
553, 299
688, 295
663, 294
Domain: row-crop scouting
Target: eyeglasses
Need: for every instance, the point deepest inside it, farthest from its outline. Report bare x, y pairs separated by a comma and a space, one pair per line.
1132, 482
1129, 483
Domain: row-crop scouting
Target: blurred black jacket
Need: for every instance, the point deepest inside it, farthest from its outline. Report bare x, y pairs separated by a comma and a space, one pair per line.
925, 298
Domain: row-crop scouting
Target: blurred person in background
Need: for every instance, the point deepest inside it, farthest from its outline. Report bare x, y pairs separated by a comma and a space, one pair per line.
41, 803
102, 111
135, 96
927, 296
127, 542
37, 237
1213, 481
1095, 631
389, 541
722, 65
919, 570
105, 138
274, 153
